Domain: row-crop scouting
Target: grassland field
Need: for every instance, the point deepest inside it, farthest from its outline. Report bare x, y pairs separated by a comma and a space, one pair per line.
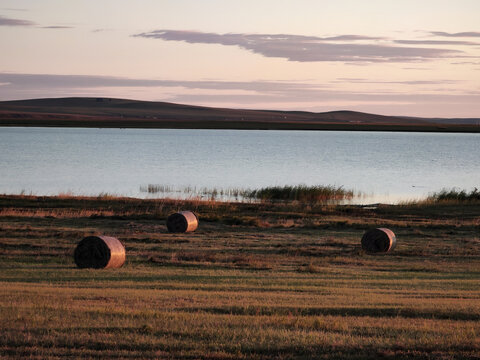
269, 280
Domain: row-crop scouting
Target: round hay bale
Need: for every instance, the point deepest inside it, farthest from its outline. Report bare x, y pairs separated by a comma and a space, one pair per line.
379, 240
181, 222
99, 252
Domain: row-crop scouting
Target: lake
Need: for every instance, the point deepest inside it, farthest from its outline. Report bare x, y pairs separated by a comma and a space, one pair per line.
384, 166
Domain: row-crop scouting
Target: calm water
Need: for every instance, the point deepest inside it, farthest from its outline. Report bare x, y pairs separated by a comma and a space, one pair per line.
391, 166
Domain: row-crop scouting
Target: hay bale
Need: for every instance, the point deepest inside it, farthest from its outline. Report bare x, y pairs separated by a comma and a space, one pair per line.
99, 252
379, 240
181, 222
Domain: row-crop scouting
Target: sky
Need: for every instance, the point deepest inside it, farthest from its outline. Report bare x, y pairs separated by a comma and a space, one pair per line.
391, 57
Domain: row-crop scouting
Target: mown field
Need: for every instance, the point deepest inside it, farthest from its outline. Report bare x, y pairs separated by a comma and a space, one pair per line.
255, 281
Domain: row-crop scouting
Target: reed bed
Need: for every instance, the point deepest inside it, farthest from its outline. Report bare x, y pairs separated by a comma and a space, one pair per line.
193, 192
302, 193
455, 195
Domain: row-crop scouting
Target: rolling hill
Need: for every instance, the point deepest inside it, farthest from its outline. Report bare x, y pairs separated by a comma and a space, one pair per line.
108, 112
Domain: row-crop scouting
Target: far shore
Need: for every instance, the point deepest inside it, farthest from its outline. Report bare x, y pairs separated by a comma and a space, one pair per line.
229, 125
125, 113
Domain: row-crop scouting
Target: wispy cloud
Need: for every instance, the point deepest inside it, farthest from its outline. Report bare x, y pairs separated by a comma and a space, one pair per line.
285, 88
345, 48
435, 42
57, 27
16, 80
99, 30
459, 34
4, 21
351, 38
466, 63
404, 82
14, 9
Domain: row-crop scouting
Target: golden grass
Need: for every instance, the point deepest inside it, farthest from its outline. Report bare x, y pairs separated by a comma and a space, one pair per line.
295, 284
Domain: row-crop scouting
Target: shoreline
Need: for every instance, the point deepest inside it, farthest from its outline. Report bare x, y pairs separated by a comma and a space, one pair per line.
359, 200
224, 125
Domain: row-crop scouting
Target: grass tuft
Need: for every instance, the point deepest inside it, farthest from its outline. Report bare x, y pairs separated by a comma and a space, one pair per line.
302, 193
454, 195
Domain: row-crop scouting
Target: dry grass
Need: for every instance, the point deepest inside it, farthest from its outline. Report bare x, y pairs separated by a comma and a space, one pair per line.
294, 284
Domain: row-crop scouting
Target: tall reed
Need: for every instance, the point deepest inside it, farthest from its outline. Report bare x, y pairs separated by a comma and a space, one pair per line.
455, 195
302, 193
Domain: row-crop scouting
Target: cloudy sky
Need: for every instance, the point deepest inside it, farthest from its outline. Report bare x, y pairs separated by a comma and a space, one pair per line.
409, 57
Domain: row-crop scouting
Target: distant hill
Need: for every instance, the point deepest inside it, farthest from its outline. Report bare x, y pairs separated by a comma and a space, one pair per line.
108, 112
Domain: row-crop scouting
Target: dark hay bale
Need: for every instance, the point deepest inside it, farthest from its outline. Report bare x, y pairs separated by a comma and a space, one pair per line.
181, 222
99, 252
379, 240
